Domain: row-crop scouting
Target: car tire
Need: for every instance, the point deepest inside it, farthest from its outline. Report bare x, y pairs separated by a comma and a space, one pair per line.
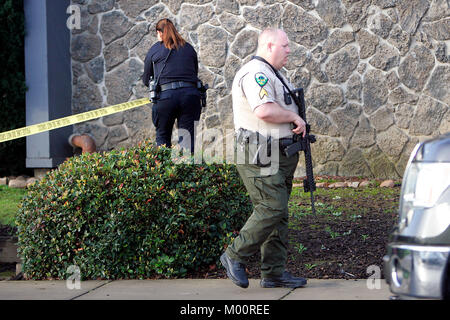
446, 283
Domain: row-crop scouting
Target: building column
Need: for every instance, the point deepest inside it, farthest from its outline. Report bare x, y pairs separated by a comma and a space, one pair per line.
48, 80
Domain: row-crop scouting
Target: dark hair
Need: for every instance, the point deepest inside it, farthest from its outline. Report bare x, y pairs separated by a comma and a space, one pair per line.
170, 36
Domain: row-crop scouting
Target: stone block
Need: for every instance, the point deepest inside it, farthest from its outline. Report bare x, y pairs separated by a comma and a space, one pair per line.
18, 183
387, 184
8, 250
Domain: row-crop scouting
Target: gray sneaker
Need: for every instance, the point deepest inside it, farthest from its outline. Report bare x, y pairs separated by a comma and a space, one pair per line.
235, 271
285, 281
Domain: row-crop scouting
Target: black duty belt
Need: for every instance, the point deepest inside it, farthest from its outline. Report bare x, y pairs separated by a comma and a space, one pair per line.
177, 84
256, 138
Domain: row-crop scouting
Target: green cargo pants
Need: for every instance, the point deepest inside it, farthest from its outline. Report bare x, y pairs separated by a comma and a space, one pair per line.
267, 227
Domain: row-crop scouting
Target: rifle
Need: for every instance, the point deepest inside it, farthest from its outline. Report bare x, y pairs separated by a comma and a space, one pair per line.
303, 144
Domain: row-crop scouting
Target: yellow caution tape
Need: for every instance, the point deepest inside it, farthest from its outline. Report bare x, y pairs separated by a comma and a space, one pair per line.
67, 121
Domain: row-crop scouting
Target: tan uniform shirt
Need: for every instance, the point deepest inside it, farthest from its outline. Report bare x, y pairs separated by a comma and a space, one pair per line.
253, 85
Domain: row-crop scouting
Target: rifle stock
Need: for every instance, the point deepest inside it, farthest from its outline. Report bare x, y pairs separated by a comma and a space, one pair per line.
304, 144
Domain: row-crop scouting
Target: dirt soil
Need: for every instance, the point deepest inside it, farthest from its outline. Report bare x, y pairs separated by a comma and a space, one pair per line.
344, 247
341, 244
6, 231
348, 243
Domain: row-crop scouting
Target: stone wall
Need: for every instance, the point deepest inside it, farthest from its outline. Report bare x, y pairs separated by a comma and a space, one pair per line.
376, 73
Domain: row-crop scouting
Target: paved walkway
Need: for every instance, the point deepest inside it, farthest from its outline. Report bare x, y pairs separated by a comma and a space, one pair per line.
189, 289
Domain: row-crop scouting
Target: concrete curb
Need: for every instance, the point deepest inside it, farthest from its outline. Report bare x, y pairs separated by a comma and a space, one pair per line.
190, 289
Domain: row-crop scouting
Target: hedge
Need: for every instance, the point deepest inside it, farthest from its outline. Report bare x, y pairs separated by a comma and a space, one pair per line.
12, 85
131, 214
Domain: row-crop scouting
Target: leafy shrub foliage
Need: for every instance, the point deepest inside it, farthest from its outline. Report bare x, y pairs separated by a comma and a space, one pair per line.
12, 85
130, 214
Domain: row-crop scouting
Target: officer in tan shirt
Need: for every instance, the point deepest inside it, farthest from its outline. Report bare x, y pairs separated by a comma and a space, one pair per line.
258, 101
265, 118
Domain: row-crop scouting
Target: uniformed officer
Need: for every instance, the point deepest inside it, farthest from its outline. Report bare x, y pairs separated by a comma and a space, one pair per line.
264, 115
172, 63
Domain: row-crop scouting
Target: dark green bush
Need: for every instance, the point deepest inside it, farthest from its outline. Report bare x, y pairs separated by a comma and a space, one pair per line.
12, 85
130, 214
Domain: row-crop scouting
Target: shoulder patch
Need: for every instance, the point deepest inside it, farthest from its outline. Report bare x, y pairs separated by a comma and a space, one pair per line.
261, 79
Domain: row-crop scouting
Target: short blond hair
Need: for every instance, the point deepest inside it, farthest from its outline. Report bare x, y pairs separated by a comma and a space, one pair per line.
266, 36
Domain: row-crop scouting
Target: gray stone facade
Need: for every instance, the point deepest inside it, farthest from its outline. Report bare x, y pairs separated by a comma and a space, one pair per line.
375, 72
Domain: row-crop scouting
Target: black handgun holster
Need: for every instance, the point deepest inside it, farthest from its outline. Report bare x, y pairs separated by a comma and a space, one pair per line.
257, 147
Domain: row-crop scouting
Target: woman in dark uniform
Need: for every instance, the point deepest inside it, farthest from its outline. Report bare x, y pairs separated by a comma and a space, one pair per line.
173, 63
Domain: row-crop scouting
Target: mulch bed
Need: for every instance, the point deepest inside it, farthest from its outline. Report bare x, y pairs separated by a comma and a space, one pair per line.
343, 257
348, 245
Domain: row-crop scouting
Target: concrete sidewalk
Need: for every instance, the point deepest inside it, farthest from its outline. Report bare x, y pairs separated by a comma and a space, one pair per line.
189, 289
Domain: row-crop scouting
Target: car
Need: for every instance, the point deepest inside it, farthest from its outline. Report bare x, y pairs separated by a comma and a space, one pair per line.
417, 263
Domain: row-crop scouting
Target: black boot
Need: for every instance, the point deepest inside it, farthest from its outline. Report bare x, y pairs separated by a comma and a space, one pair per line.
285, 281
235, 271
